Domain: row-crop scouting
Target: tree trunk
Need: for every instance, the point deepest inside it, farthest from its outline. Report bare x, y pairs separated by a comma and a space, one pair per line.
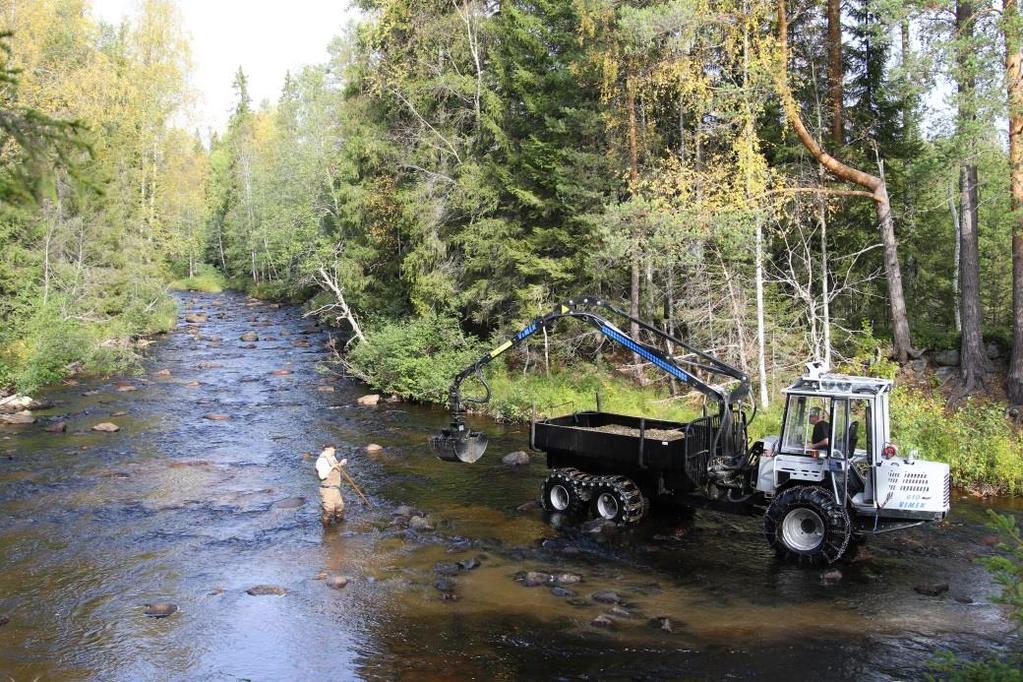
973, 363
836, 72
1014, 85
972, 359
902, 344
634, 284
907, 108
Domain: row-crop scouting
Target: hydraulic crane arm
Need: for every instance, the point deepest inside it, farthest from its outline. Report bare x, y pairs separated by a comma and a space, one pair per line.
461, 444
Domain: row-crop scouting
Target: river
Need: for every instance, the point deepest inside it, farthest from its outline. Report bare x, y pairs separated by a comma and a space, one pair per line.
176, 507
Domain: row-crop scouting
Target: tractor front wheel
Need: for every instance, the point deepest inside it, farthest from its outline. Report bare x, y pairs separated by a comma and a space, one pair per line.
808, 525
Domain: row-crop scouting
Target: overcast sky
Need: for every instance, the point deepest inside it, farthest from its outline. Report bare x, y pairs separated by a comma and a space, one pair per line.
265, 37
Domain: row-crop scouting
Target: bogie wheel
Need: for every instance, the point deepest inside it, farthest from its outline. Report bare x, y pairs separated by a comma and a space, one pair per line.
619, 500
808, 525
560, 492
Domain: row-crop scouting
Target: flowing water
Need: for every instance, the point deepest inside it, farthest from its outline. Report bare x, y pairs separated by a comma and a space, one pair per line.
175, 507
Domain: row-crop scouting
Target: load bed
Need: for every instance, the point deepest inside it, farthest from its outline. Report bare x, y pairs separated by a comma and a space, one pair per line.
602, 442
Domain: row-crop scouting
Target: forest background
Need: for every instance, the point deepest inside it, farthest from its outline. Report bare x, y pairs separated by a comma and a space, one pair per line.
775, 182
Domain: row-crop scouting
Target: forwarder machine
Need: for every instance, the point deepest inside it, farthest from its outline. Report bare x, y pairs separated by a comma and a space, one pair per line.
831, 477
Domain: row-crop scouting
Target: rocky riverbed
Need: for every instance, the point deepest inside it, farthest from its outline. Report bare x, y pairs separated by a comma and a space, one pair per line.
182, 541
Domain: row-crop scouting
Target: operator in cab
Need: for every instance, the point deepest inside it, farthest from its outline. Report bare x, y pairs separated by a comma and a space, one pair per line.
821, 438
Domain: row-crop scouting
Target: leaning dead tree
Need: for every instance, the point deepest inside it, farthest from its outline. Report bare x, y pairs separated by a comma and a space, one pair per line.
338, 309
874, 186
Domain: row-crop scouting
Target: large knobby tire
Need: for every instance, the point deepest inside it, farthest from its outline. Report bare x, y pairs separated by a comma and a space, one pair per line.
807, 525
619, 500
560, 492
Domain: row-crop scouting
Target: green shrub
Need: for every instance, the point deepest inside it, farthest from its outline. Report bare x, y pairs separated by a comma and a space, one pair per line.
415, 359
975, 439
206, 278
48, 347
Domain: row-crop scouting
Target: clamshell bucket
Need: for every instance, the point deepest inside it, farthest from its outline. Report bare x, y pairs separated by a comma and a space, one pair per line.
459, 444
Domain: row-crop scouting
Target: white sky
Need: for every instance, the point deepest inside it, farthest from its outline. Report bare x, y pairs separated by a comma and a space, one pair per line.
265, 37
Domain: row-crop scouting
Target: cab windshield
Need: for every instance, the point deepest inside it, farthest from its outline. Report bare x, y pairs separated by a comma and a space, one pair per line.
807, 426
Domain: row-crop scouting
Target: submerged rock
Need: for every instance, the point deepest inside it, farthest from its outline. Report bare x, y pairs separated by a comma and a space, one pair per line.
534, 578
446, 568
160, 609
831, 577
215, 417
249, 337
163, 373
196, 318
603, 621
369, 400
444, 584
337, 582
281, 372
563, 592
289, 503
469, 564
933, 590
106, 427
517, 458
264, 590
606, 597
56, 427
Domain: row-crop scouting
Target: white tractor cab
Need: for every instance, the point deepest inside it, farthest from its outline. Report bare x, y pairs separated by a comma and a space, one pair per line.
834, 472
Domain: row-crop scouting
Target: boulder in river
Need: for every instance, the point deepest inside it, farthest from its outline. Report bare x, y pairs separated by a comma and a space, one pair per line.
603, 621
160, 609
517, 458
56, 427
606, 597
17, 403
106, 427
125, 388
567, 578
265, 590
932, 590
374, 448
17, 418
281, 372
337, 582
831, 577
163, 373
214, 417
369, 400
534, 578
4, 620
196, 318
558, 591
325, 389
419, 523
249, 337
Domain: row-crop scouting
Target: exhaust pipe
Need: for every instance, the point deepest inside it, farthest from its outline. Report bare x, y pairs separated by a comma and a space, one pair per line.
459, 444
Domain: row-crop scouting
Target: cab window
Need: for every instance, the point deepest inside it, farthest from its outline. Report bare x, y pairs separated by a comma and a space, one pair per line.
807, 430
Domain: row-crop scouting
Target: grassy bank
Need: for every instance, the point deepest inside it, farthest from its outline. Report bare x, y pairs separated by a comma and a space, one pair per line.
417, 360
46, 344
206, 279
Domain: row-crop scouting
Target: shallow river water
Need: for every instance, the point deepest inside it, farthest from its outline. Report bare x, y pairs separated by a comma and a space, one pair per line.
178, 508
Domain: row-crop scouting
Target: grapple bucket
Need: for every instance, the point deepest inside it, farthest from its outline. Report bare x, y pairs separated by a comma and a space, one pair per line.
459, 444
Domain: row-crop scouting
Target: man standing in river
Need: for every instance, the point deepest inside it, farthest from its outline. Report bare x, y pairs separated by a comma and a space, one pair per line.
328, 468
